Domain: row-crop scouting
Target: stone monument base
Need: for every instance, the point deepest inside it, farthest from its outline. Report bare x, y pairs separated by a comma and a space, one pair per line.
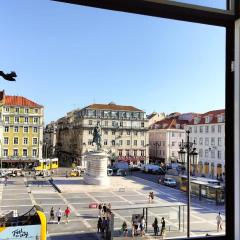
96, 173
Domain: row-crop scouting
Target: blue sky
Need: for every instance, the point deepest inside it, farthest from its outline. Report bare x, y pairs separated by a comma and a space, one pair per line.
69, 56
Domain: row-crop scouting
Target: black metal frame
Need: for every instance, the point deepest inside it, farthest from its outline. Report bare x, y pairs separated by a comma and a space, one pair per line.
177, 11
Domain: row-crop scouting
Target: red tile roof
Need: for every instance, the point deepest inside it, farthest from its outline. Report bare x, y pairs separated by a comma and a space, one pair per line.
19, 101
213, 114
113, 107
169, 123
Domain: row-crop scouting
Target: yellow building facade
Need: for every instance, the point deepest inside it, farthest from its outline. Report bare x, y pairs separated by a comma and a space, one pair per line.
21, 131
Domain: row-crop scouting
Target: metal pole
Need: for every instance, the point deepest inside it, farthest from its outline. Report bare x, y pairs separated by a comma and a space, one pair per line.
146, 219
179, 217
188, 174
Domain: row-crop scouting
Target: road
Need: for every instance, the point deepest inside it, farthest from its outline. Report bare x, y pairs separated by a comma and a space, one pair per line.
150, 177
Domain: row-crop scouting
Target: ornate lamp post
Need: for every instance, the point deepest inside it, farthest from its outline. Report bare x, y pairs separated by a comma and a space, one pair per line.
189, 149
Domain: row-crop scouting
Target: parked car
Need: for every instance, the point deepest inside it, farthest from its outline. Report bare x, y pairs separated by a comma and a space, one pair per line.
170, 182
121, 172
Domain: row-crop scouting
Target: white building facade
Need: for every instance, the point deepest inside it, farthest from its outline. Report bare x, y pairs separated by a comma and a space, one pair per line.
164, 139
208, 131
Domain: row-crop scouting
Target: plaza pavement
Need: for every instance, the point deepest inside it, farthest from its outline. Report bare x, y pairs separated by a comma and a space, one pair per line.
83, 221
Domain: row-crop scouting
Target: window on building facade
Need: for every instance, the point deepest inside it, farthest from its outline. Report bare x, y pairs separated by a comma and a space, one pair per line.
128, 132
219, 142
106, 132
190, 129
113, 123
206, 141
113, 142
6, 109
35, 120
206, 153
135, 143
142, 153
35, 141
34, 152
206, 129
26, 120
35, 110
219, 154
120, 152
201, 129
128, 142
200, 141
120, 142
16, 129
173, 134
15, 140
6, 129
113, 132
25, 129
26, 110
195, 140
195, 129
135, 133
25, 153
135, 153
25, 140
219, 128
105, 142
213, 128
213, 141
142, 124
121, 124
142, 133
6, 119
17, 110
89, 132
163, 152
16, 119
6, 140
106, 123
142, 143
5, 152
35, 129
127, 153
89, 122
15, 152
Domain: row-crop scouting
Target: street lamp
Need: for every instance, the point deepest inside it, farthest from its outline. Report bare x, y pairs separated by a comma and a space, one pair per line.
189, 149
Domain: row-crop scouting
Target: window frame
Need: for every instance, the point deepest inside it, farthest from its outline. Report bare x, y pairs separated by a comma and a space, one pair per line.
211, 16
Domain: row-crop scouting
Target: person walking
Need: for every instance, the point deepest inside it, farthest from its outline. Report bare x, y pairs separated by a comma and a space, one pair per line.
5, 181
133, 230
99, 224
100, 209
219, 221
52, 214
163, 229
59, 215
124, 229
67, 213
155, 227
104, 226
142, 226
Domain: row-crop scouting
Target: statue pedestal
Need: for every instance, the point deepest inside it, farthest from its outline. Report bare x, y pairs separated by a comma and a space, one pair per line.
96, 173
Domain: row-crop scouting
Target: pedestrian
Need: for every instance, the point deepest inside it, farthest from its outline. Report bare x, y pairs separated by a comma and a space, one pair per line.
52, 214
5, 180
124, 229
104, 225
155, 227
59, 215
99, 224
67, 213
135, 223
133, 231
104, 208
163, 229
109, 206
219, 221
100, 209
142, 226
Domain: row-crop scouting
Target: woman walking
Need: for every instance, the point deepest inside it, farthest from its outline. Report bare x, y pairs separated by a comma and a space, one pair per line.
52, 214
59, 215
155, 227
67, 213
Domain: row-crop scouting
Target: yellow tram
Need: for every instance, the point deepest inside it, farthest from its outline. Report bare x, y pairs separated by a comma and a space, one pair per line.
31, 225
47, 164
